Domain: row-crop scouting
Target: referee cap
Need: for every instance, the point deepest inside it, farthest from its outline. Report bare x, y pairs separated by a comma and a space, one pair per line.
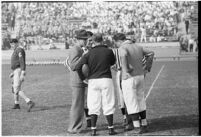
14, 40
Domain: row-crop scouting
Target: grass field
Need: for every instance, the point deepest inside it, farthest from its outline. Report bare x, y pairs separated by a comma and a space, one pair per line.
172, 105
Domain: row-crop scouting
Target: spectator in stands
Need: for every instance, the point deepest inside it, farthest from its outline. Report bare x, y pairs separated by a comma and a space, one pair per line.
143, 34
50, 18
152, 38
187, 21
191, 43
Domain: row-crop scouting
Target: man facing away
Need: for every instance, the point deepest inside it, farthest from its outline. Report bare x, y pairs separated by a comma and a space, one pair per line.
18, 65
133, 80
100, 85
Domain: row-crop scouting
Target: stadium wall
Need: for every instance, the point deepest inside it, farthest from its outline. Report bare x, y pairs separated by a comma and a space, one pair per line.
158, 44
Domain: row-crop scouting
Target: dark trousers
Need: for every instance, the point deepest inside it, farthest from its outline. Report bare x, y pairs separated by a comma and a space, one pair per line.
77, 109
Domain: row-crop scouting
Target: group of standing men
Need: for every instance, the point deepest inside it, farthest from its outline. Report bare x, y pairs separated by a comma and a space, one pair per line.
131, 63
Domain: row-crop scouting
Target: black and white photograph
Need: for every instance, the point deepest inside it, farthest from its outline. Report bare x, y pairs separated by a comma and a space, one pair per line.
99, 68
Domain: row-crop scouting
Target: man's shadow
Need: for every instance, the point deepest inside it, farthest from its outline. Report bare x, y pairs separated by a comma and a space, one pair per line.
164, 123
44, 108
173, 123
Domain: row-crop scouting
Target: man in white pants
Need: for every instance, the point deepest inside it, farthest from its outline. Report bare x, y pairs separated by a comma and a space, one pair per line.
117, 81
133, 80
18, 65
100, 85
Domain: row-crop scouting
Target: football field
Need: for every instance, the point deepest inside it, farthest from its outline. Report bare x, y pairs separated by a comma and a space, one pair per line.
172, 102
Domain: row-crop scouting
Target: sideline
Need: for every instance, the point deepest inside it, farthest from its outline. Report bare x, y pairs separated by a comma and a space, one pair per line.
152, 85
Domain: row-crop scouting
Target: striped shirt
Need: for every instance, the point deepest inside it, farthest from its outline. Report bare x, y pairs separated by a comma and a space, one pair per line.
117, 56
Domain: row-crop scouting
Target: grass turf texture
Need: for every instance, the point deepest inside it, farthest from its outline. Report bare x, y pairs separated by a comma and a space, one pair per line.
172, 106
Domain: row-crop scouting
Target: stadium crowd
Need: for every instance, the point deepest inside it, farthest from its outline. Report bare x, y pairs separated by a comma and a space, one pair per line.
38, 20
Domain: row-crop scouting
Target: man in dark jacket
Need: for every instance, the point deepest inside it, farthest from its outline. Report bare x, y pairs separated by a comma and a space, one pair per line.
100, 85
18, 65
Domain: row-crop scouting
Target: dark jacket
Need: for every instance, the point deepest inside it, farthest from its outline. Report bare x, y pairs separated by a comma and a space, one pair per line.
99, 60
18, 59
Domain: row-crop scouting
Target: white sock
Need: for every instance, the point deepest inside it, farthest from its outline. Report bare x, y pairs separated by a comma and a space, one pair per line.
21, 93
110, 126
93, 127
88, 118
124, 116
144, 122
16, 102
136, 123
16, 99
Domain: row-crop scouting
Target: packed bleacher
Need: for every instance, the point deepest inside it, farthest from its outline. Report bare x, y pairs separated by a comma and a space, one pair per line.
147, 21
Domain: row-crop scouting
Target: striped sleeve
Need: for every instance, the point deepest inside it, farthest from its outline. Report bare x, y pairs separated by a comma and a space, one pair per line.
117, 56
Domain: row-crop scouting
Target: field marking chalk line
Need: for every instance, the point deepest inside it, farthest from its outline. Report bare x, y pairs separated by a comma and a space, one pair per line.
152, 85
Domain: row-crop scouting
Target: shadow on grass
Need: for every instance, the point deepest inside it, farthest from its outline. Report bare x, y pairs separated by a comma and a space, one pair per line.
161, 124
173, 123
44, 108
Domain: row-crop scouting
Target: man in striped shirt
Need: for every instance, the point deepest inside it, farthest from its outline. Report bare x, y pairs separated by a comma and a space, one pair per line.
117, 80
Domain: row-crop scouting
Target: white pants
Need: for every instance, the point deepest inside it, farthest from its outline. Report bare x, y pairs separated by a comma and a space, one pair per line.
101, 91
133, 93
143, 37
16, 80
119, 90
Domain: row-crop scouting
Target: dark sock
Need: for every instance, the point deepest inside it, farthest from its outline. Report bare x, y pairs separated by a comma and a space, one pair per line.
123, 111
93, 120
143, 114
129, 118
86, 110
135, 117
109, 120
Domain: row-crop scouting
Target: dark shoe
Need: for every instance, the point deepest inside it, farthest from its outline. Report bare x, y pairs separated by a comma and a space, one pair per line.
88, 123
30, 104
112, 132
71, 132
137, 130
93, 132
16, 106
129, 127
144, 129
125, 122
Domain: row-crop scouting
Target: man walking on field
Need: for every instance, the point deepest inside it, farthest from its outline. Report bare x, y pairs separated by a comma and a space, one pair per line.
18, 65
133, 72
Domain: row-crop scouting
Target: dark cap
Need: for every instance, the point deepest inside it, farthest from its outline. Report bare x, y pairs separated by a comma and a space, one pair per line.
98, 37
119, 36
81, 34
89, 33
14, 41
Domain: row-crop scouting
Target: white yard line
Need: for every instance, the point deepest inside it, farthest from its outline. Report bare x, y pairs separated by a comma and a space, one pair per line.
152, 85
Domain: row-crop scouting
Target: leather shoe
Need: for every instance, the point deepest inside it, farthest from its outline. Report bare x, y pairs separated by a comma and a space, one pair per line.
129, 127
137, 130
144, 129
16, 106
112, 132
